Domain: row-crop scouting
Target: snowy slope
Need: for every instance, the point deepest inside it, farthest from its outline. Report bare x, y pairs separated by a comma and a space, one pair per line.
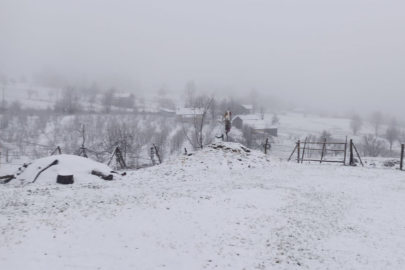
216, 209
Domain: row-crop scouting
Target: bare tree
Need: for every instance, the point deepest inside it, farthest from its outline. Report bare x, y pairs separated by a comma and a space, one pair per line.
68, 103
401, 137
93, 91
108, 98
376, 120
197, 137
373, 146
262, 111
356, 123
275, 120
392, 133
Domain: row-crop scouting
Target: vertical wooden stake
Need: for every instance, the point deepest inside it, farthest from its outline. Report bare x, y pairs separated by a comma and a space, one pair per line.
157, 154
344, 158
358, 155
402, 157
351, 161
323, 150
292, 152
303, 151
298, 148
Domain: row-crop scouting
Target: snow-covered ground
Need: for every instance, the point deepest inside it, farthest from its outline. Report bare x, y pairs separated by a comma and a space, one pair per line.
215, 209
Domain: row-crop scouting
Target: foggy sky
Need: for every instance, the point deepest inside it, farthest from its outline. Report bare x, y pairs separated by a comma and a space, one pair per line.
334, 54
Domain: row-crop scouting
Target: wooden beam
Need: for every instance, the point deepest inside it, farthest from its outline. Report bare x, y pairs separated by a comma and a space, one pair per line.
303, 151
292, 152
344, 158
323, 150
402, 157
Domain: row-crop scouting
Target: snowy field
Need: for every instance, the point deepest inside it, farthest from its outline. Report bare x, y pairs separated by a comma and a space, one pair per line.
216, 209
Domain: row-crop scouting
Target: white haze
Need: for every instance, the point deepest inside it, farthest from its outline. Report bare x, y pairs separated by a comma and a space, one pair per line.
330, 54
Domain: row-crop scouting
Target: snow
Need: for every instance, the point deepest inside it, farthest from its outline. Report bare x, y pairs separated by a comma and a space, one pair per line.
189, 111
80, 167
219, 208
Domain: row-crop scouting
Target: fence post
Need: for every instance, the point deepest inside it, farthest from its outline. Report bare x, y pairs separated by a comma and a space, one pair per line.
152, 155
157, 154
344, 158
351, 163
303, 150
265, 146
402, 157
323, 150
298, 148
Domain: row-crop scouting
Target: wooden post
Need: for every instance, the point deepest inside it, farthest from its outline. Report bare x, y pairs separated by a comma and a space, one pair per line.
295, 148
344, 158
157, 154
323, 150
402, 157
303, 151
152, 156
298, 148
265, 146
351, 162
60, 151
358, 155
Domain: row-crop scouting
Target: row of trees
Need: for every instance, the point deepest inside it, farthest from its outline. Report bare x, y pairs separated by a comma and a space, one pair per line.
392, 134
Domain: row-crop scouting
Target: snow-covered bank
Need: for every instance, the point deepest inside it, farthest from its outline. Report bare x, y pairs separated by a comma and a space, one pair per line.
212, 210
41, 170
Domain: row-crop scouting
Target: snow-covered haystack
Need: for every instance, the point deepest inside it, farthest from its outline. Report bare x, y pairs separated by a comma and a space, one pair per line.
80, 167
223, 154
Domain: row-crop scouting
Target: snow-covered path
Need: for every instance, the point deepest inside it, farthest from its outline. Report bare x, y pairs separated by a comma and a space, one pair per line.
198, 213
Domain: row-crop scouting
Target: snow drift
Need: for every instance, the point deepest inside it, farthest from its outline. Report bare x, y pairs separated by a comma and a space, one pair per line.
80, 167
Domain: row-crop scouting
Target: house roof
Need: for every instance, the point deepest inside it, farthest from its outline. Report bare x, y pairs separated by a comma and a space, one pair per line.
255, 124
122, 95
166, 110
189, 111
247, 107
248, 117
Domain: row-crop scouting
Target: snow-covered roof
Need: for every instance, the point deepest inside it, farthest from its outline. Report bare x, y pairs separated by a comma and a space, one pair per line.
248, 117
189, 111
166, 110
247, 107
122, 95
256, 124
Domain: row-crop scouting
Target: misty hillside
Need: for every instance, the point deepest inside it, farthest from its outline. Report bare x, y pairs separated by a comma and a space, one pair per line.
208, 134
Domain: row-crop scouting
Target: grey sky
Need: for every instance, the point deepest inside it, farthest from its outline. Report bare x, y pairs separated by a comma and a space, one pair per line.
348, 53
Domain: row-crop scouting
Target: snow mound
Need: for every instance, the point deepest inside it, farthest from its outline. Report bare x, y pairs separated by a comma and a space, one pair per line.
79, 167
223, 154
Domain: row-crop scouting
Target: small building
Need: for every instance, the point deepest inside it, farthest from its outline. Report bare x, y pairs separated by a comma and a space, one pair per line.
245, 109
239, 120
125, 100
167, 113
188, 114
254, 121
